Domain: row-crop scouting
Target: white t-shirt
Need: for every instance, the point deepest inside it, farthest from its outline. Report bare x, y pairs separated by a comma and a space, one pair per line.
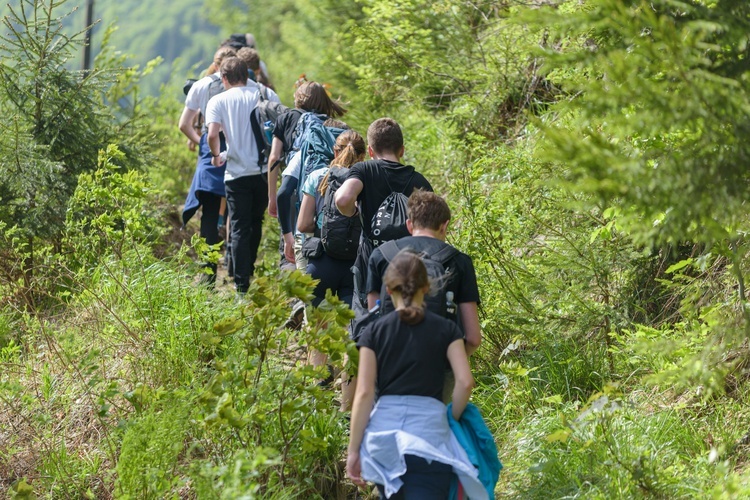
197, 96
231, 109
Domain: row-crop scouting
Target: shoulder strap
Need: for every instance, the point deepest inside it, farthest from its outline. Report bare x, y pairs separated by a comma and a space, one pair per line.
263, 92
389, 249
408, 183
258, 135
445, 254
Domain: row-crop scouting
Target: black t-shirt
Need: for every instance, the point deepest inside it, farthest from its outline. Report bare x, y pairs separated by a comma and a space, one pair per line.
411, 359
379, 179
286, 124
463, 282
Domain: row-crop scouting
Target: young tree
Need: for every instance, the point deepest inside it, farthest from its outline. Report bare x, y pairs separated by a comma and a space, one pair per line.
56, 121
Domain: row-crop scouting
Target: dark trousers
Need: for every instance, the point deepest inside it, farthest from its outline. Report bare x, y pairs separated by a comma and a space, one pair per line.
211, 204
247, 199
333, 274
423, 481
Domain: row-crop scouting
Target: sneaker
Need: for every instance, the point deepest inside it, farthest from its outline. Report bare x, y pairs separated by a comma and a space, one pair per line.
297, 317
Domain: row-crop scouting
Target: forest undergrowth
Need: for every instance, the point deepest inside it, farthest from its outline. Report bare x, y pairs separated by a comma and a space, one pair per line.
593, 155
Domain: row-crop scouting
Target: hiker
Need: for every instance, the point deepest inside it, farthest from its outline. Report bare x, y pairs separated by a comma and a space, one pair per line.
289, 136
331, 246
244, 176
428, 217
404, 443
240, 40
334, 273
369, 185
207, 188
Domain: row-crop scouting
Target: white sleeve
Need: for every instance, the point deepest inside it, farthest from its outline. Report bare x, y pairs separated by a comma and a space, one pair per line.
213, 110
272, 95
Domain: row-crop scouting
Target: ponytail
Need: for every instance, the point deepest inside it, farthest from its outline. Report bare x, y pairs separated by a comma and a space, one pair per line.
407, 274
349, 149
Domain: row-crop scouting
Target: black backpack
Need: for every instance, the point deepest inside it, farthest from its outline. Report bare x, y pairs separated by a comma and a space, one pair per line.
389, 222
438, 300
339, 233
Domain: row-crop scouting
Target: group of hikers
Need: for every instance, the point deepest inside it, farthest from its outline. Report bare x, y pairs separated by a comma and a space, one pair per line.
373, 233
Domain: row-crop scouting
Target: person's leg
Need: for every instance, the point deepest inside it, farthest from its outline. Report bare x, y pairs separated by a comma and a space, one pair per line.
345, 283
209, 229
300, 260
239, 201
426, 481
258, 203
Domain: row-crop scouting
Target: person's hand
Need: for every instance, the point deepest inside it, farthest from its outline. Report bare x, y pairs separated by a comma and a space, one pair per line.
191, 145
289, 247
218, 161
354, 469
272, 210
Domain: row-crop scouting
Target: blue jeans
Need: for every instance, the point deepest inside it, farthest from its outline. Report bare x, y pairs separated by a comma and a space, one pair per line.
423, 481
247, 199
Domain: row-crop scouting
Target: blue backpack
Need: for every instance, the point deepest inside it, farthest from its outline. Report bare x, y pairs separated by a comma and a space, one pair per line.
315, 144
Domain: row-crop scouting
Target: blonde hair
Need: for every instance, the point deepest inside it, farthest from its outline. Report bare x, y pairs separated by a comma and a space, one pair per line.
349, 149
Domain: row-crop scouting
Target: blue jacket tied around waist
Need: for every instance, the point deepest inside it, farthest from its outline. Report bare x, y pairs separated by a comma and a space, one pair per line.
476, 439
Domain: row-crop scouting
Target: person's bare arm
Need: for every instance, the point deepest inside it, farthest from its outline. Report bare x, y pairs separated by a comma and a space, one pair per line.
306, 216
277, 148
187, 119
346, 196
462, 373
470, 324
361, 408
214, 144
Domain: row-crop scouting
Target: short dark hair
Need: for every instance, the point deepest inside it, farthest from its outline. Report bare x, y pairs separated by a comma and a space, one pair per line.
234, 70
251, 58
426, 210
384, 136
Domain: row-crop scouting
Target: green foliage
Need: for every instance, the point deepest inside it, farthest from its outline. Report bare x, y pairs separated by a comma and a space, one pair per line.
150, 450
56, 120
111, 209
659, 109
255, 398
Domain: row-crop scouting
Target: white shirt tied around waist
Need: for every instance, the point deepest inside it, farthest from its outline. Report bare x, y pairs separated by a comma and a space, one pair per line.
413, 425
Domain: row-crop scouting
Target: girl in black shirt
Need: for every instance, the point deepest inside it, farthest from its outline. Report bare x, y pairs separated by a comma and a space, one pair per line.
405, 354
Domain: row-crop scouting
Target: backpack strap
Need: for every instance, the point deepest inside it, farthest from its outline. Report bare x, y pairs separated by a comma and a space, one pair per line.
389, 249
263, 90
445, 254
258, 136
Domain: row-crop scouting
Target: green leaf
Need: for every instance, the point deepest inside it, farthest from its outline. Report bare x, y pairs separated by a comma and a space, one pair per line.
560, 436
679, 265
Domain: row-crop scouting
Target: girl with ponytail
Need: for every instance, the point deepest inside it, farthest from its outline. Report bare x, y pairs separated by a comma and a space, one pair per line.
333, 273
404, 444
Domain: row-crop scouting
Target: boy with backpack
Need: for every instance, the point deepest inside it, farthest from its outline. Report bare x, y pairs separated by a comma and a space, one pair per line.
454, 293
378, 190
244, 176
